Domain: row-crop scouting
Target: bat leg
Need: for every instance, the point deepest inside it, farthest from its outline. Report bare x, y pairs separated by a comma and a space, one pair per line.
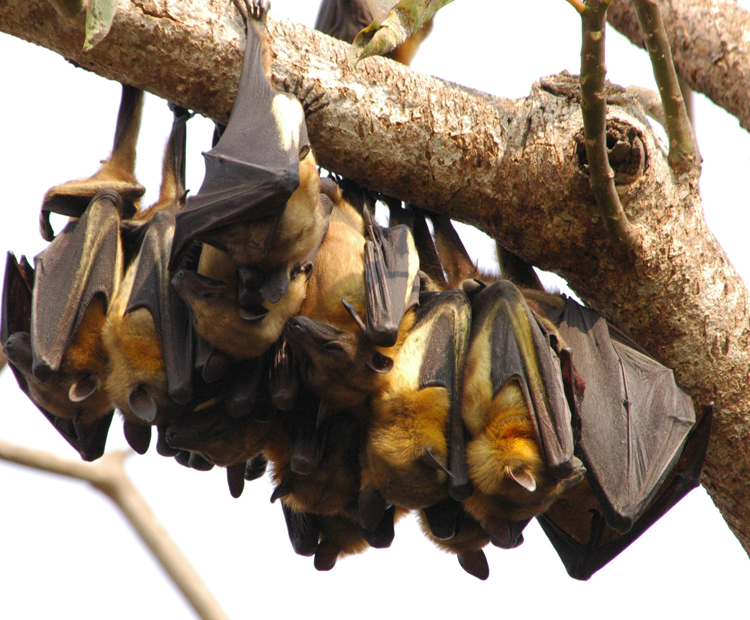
475, 563
443, 518
384, 533
303, 530
236, 479
311, 97
138, 436
255, 467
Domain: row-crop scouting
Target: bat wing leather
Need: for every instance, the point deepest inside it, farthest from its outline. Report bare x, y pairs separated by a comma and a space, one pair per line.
343, 19
537, 369
16, 319
152, 290
635, 439
450, 315
391, 281
83, 261
633, 418
254, 168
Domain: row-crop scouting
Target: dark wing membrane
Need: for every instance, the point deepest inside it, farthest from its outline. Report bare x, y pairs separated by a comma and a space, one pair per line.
80, 263
391, 282
522, 349
17, 287
254, 168
633, 417
152, 290
449, 314
343, 19
578, 531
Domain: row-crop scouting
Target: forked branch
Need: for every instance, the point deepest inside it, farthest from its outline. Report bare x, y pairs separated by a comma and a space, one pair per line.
108, 476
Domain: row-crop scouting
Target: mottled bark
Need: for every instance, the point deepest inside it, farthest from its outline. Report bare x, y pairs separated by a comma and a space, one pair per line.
513, 168
710, 47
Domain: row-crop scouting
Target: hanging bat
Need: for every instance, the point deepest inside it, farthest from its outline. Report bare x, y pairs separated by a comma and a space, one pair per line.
87, 434
414, 452
260, 198
147, 333
117, 172
520, 447
343, 19
633, 435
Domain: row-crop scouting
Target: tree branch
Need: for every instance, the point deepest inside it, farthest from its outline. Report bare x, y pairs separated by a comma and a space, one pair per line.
709, 45
108, 476
513, 168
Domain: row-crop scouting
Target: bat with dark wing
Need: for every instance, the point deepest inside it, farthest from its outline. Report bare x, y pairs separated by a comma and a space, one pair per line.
83, 425
260, 198
636, 435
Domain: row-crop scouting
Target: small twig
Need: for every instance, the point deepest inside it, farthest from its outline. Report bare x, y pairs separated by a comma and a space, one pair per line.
683, 148
594, 111
108, 476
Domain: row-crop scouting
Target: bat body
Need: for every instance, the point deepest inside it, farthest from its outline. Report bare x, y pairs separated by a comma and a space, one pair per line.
83, 422
260, 198
520, 451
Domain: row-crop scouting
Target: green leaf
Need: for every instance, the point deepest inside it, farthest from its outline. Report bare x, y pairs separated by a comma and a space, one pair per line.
402, 21
99, 17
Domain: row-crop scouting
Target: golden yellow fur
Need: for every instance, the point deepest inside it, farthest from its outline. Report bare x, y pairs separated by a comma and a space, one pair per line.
85, 357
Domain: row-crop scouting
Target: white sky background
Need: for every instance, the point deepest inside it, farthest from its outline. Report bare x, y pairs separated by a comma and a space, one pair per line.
65, 552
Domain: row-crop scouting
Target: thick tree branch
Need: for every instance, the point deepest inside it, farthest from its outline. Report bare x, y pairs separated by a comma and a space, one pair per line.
513, 168
709, 44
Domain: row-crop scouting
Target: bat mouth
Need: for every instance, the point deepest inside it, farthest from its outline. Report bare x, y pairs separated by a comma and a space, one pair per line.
18, 351
254, 314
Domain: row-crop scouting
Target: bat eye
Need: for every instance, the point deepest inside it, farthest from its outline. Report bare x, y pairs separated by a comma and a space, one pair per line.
333, 346
381, 363
303, 151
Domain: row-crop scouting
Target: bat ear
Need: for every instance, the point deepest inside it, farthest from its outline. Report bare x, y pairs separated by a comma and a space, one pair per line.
142, 403
83, 388
303, 151
523, 477
380, 363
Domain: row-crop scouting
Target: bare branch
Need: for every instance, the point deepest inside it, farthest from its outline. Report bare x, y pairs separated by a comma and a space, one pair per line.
594, 110
683, 148
108, 476
709, 45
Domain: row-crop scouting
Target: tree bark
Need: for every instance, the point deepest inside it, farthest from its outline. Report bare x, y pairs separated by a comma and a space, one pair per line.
710, 47
515, 169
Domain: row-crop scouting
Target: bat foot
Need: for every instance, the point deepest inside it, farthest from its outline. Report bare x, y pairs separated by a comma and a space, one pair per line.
310, 96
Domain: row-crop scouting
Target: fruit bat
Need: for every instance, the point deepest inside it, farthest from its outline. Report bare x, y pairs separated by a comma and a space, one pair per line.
260, 197
344, 19
116, 173
74, 283
87, 434
414, 454
520, 446
633, 426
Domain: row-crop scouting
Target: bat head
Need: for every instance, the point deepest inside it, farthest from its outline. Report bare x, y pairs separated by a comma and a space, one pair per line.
342, 365
217, 436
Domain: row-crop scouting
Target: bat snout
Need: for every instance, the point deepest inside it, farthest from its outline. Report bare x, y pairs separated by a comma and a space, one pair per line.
18, 350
